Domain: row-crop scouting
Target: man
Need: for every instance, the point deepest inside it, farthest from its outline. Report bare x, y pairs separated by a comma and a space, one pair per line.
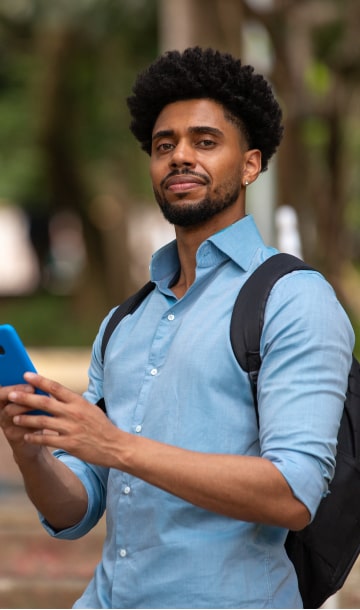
199, 498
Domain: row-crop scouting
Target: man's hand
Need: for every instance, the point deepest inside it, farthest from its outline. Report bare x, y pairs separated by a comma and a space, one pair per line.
52, 487
77, 426
13, 433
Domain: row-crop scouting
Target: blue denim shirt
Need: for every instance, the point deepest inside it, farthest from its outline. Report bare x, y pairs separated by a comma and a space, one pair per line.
170, 375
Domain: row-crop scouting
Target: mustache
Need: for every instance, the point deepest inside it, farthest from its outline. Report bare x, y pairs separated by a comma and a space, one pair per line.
185, 172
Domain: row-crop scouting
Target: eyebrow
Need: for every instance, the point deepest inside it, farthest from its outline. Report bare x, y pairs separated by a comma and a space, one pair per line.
199, 129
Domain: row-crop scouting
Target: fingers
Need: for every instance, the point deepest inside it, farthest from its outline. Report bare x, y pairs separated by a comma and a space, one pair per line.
24, 397
44, 438
38, 422
32, 401
45, 432
22, 387
54, 400
4, 392
51, 387
7, 414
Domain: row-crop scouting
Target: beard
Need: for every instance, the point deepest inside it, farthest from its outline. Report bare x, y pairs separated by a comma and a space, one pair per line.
191, 214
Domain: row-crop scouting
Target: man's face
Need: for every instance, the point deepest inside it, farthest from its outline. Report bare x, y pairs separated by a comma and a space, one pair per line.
197, 162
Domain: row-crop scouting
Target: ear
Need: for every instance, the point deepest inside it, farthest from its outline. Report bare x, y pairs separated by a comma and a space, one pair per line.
252, 166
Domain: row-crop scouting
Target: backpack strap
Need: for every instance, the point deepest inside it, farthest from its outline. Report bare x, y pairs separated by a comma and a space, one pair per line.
125, 308
249, 310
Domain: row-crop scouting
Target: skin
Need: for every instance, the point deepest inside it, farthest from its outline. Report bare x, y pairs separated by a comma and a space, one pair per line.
195, 136
181, 141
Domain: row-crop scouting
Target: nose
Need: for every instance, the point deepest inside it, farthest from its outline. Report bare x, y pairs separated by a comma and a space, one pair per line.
183, 155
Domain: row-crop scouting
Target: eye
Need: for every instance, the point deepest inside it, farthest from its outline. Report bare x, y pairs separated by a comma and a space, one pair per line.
164, 147
206, 143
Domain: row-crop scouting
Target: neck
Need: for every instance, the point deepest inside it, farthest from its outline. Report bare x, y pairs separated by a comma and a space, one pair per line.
188, 240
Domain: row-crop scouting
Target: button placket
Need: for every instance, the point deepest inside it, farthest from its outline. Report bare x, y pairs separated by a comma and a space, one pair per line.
156, 357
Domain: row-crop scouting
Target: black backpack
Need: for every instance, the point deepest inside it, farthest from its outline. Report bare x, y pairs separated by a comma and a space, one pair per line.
324, 552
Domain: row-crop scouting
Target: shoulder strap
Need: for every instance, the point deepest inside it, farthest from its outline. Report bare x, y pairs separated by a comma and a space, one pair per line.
249, 310
128, 306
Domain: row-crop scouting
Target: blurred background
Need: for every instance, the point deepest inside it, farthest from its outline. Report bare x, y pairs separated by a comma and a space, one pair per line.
77, 218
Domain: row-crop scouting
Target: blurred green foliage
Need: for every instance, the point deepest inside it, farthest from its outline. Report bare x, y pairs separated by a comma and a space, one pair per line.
114, 39
48, 320
106, 42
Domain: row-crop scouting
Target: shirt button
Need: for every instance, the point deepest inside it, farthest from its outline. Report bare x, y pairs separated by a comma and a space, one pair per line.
171, 317
138, 428
127, 490
153, 372
122, 553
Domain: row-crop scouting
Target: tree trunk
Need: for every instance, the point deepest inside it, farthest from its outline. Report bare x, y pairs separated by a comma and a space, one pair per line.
206, 23
103, 285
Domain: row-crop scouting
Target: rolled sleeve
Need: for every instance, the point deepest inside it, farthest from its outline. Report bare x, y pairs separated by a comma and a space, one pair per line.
306, 351
94, 480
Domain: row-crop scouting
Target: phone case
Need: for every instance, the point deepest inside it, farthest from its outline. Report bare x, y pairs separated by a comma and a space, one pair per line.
14, 359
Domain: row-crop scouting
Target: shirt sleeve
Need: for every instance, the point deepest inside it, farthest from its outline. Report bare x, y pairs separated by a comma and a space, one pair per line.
306, 350
94, 478
96, 370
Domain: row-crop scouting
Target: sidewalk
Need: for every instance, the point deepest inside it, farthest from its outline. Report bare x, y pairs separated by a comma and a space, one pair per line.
37, 571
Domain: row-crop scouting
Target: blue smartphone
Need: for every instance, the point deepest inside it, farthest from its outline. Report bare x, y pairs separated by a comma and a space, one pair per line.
14, 360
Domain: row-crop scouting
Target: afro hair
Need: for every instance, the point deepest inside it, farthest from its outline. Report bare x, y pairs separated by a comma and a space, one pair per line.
205, 73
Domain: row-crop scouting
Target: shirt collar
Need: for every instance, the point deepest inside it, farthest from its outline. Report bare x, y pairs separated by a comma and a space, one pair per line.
238, 242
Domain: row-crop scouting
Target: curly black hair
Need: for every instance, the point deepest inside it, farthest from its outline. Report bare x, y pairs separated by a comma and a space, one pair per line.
206, 73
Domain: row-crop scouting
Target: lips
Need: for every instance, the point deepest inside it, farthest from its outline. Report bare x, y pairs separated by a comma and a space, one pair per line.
184, 182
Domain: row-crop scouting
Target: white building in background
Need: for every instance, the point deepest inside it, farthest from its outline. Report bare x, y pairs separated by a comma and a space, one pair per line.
147, 231
287, 230
19, 270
